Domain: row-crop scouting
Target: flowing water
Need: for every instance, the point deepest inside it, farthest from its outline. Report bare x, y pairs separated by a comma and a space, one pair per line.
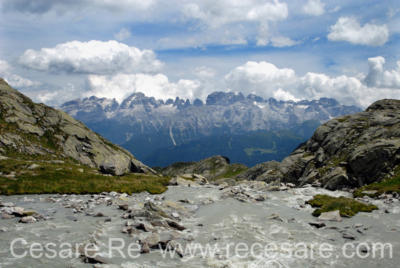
271, 233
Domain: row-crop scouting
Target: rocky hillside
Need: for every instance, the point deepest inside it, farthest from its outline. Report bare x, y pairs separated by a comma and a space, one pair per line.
212, 168
346, 152
151, 128
30, 130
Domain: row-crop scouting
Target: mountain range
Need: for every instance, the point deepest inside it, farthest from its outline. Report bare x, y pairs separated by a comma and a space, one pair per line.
247, 129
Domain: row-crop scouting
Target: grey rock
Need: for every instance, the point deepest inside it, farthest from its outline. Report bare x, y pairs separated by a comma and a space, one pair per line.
200, 171
123, 207
317, 224
175, 225
6, 216
348, 236
330, 216
276, 217
28, 219
8, 204
152, 241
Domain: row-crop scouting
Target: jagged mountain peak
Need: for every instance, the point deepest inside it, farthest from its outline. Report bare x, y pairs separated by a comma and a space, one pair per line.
146, 124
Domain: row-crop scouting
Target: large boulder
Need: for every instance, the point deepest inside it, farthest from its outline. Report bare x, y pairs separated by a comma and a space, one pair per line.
36, 129
345, 152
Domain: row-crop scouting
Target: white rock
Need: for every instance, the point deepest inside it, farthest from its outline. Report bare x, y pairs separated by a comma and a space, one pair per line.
330, 216
9, 204
33, 166
28, 219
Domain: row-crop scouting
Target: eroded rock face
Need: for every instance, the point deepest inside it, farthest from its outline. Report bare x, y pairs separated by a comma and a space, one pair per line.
345, 152
36, 129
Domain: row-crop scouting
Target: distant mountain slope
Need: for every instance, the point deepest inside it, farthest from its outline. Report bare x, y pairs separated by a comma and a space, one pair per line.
249, 148
162, 132
31, 131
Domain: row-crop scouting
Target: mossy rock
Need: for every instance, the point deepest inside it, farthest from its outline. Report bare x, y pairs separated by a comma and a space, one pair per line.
387, 186
347, 207
69, 177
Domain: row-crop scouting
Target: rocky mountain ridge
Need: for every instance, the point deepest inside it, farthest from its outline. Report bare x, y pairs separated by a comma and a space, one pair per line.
345, 152
31, 130
149, 127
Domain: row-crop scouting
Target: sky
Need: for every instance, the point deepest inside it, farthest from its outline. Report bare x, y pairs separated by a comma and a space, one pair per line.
58, 50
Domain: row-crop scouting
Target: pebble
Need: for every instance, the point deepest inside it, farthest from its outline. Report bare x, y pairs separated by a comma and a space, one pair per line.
348, 236
275, 216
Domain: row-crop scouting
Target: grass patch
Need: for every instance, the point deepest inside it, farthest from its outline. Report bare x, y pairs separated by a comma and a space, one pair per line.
390, 185
233, 171
348, 207
68, 178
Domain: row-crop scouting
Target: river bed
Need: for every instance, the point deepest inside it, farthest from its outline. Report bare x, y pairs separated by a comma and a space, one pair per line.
274, 232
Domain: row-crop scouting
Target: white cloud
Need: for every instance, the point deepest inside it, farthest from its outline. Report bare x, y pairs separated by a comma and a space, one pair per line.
267, 80
282, 41
261, 78
349, 29
93, 57
44, 6
378, 77
314, 8
13, 79
123, 34
204, 72
281, 94
217, 13
121, 86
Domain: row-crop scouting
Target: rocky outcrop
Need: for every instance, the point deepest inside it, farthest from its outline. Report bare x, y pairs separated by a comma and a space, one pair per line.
345, 152
211, 168
27, 128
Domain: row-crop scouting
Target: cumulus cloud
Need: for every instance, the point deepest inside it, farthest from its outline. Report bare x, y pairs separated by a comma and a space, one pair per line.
93, 57
281, 94
314, 8
378, 77
262, 78
267, 80
349, 29
14, 80
121, 86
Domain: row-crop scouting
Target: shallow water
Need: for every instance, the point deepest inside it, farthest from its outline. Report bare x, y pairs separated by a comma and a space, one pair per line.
225, 224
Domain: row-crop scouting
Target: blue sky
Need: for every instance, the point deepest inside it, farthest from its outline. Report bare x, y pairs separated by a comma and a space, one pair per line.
55, 51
